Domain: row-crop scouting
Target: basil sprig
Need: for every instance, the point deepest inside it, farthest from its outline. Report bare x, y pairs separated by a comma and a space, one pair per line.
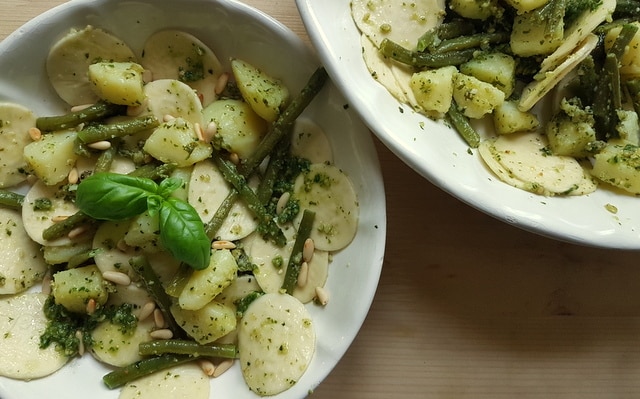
112, 196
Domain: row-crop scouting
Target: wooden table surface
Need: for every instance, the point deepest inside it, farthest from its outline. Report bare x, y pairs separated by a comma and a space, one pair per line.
469, 307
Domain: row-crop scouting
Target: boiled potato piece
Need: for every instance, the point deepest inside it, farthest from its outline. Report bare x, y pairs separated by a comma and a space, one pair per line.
21, 261
52, 158
327, 191
178, 55
474, 9
526, 5
69, 59
619, 165
207, 324
276, 341
15, 122
475, 97
507, 119
265, 94
498, 69
73, 288
118, 82
238, 128
206, 284
22, 322
530, 36
433, 88
176, 142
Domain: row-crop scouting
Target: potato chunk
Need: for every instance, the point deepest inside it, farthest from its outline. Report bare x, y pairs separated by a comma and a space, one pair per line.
266, 95
118, 82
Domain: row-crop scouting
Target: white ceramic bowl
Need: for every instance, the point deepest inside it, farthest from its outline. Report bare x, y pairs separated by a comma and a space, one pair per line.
231, 29
439, 155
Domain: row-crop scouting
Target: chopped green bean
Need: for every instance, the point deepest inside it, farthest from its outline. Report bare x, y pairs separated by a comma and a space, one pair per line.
212, 227
144, 367
100, 132
461, 123
478, 40
103, 164
627, 33
9, 199
94, 112
424, 60
63, 227
447, 30
186, 347
295, 259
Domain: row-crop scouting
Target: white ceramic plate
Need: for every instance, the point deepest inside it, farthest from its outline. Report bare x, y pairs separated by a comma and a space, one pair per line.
439, 155
230, 29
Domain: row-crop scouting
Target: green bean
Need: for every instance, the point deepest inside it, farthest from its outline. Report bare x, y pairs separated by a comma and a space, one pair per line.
100, 132
63, 227
607, 99
424, 60
144, 367
265, 189
179, 280
295, 259
212, 227
9, 199
461, 123
633, 88
478, 40
94, 112
103, 164
627, 33
447, 30
267, 225
627, 9
155, 288
283, 125
153, 172
186, 347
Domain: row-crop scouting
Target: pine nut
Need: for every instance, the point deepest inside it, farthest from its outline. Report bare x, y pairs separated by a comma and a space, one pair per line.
80, 107
163, 333
147, 310
221, 83
282, 202
207, 367
78, 336
147, 76
117, 277
91, 306
223, 244
210, 131
199, 131
77, 232
158, 318
73, 176
222, 367
234, 158
122, 245
307, 250
168, 118
322, 296
100, 145
79, 127
303, 275
35, 134
46, 284
59, 218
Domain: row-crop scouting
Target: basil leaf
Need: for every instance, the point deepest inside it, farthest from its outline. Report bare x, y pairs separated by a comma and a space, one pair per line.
182, 233
169, 185
112, 196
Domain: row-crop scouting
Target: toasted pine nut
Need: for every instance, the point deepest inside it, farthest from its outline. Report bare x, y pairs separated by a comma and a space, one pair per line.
222, 367
303, 275
146, 310
100, 145
35, 134
80, 107
59, 218
322, 296
77, 232
79, 127
234, 158
199, 131
158, 318
46, 284
168, 118
282, 202
210, 131
73, 176
307, 250
91, 306
221, 83
223, 244
207, 367
163, 333
117, 277
78, 335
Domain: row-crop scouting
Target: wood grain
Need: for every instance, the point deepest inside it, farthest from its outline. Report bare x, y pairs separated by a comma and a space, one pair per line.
469, 307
